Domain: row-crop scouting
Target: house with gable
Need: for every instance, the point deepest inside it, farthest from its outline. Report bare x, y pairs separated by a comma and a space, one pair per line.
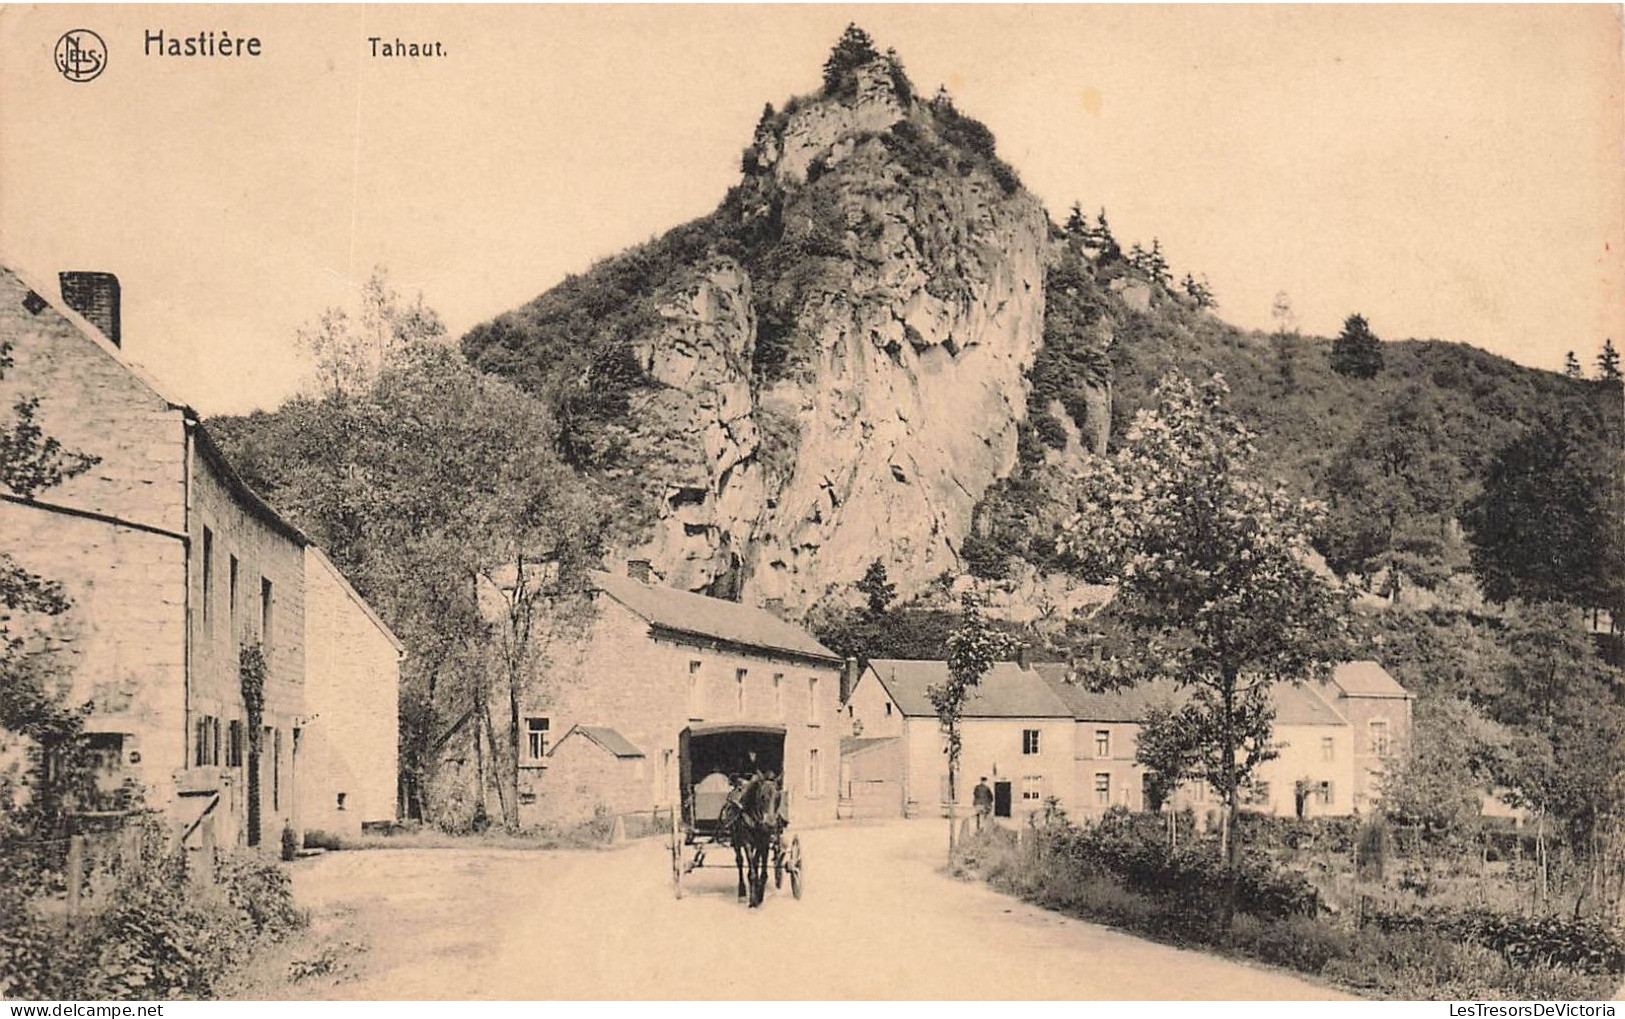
1015, 730
173, 566
656, 660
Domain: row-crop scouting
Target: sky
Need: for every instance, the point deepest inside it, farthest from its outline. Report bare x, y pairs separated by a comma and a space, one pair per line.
1454, 172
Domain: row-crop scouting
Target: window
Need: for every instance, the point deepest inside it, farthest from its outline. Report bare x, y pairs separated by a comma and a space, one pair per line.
206, 742
1103, 788
1328, 748
888, 709
665, 774
815, 772
208, 573
778, 695
1103, 742
1258, 793
231, 593
739, 691
265, 614
1032, 787
1324, 792
536, 739
234, 744
812, 700
696, 692
1029, 741
276, 770
1379, 736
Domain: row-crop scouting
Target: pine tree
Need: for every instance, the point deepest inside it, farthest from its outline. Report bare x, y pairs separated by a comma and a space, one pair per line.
1571, 366
1076, 223
1608, 362
1356, 352
854, 49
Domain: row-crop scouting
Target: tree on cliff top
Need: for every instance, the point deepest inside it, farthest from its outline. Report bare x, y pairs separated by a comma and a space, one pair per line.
854, 49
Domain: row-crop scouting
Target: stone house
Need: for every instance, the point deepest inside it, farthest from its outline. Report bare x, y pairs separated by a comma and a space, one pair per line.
1079, 746
1015, 730
173, 565
1379, 712
654, 661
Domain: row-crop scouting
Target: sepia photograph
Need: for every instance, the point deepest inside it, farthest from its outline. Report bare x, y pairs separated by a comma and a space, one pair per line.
800, 503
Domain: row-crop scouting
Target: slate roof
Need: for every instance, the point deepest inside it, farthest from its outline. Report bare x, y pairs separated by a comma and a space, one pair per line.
1119, 706
605, 737
853, 745
695, 615
1301, 705
1294, 705
1366, 679
1008, 691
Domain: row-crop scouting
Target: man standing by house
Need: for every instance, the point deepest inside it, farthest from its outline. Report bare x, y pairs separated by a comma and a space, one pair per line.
982, 799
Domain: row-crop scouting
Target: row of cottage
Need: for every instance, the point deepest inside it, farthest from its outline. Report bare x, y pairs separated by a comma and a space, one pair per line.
174, 565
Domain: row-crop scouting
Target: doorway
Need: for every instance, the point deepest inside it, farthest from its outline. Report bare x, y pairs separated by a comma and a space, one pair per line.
1001, 799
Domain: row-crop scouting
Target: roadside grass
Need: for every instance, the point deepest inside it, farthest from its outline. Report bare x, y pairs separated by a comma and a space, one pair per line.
1364, 960
595, 833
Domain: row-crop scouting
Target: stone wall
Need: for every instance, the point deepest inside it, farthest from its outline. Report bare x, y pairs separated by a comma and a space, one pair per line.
349, 745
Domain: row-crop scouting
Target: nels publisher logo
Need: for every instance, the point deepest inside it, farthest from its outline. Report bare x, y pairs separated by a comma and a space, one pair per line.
80, 55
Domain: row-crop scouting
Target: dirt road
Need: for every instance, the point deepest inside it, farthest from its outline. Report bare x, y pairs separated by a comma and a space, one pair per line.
878, 920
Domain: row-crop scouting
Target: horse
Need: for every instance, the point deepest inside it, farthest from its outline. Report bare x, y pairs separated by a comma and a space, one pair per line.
751, 816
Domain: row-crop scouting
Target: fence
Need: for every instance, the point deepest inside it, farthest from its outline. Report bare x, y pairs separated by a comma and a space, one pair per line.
77, 871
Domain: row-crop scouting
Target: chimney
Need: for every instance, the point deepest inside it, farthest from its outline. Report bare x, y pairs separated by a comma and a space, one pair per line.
775, 606
638, 570
1021, 658
95, 295
849, 678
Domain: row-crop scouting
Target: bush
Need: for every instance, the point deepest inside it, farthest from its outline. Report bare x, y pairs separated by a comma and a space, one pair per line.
1589, 945
315, 838
160, 936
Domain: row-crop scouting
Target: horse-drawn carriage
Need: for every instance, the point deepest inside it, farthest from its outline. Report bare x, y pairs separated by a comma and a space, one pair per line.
730, 787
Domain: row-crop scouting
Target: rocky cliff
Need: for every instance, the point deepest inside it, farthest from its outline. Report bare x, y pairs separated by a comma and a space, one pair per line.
828, 370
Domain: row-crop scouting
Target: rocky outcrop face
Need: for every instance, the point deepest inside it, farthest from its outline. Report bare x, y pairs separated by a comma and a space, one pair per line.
917, 307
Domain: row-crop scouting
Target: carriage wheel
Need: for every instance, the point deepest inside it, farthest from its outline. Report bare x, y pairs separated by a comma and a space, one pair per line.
793, 865
676, 858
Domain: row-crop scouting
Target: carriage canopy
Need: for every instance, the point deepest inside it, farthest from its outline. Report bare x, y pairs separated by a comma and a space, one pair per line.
712, 756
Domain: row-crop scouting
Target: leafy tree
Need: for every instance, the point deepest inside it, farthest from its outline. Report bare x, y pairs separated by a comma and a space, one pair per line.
1211, 566
1568, 757
973, 648
1608, 362
1356, 352
853, 50
351, 351
876, 589
1393, 493
439, 490
1571, 366
1549, 523
1454, 755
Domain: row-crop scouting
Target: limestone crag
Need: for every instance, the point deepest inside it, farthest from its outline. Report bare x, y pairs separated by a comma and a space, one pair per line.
916, 313
697, 429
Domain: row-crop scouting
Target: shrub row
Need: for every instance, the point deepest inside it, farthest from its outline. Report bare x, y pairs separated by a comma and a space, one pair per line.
1403, 961
1588, 945
1133, 848
160, 935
